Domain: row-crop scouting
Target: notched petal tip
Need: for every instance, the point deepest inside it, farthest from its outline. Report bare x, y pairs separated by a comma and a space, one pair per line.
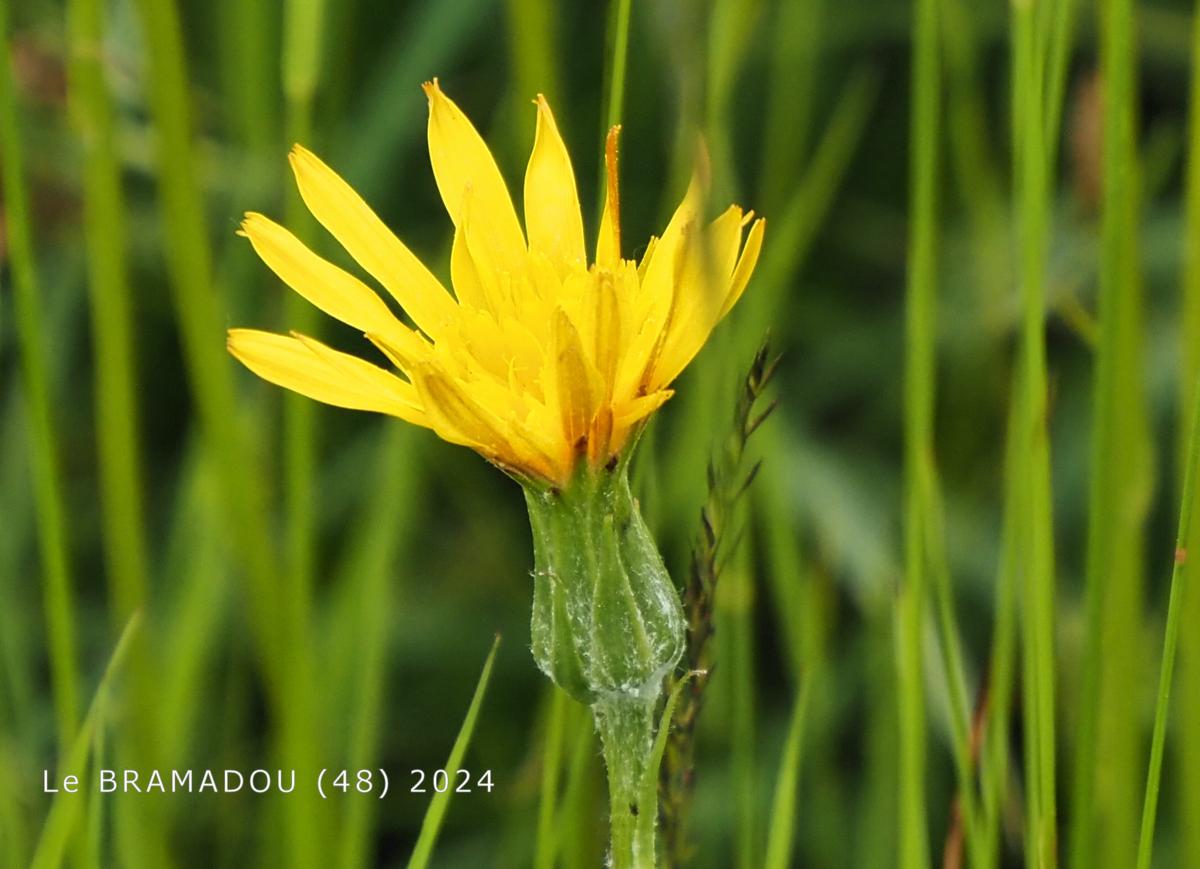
300, 158
432, 89
251, 222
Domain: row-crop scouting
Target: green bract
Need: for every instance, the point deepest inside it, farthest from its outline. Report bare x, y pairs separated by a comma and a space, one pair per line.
607, 622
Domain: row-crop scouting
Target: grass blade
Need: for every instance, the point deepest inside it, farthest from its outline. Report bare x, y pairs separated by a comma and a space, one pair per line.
919, 375
1033, 473
383, 538
618, 56
436, 812
189, 263
42, 435
1179, 575
1107, 758
1189, 651
546, 845
105, 238
783, 806
66, 808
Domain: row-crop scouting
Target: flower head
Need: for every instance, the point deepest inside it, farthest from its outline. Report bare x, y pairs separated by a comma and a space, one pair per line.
539, 359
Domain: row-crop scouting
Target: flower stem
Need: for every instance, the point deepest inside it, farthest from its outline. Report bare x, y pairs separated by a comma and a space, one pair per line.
626, 725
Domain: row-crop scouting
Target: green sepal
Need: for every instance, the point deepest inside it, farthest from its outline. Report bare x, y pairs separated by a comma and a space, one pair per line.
607, 621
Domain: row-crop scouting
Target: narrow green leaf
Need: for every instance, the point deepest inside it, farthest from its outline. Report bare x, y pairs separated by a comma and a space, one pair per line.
436, 813
42, 436
1179, 575
919, 385
545, 846
66, 808
780, 836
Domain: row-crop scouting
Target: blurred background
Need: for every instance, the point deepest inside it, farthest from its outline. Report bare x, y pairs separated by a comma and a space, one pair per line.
306, 587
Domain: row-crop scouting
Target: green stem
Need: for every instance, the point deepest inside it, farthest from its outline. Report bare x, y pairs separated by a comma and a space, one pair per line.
620, 53
920, 364
626, 725
105, 238
45, 468
1170, 641
1031, 193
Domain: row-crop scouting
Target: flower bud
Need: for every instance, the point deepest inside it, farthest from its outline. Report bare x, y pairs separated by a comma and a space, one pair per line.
607, 621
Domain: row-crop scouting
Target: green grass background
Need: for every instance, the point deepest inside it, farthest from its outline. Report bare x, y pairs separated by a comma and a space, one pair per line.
943, 630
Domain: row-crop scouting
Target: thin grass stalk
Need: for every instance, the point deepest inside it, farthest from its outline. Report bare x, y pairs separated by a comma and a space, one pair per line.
1061, 38
117, 414
1036, 534
1179, 576
618, 58
202, 594
303, 22
735, 613
440, 803
708, 602
388, 530
55, 840
950, 644
189, 263
980, 187
731, 25
96, 810
919, 386
106, 241
876, 814
795, 59
1106, 765
994, 760
1189, 651
43, 439
374, 139
249, 76
794, 230
781, 835
773, 511
301, 65
533, 37
546, 845
578, 842
1190, 314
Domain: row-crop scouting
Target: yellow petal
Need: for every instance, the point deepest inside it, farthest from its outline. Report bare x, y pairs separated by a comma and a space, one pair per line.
461, 162
632, 412
606, 332
654, 309
455, 415
576, 391
647, 255
745, 266
365, 237
700, 293
314, 370
552, 216
659, 281
608, 241
331, 289
468, 286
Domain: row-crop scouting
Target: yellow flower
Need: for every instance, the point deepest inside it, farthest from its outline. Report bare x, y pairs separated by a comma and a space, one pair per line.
539, 359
